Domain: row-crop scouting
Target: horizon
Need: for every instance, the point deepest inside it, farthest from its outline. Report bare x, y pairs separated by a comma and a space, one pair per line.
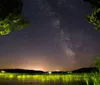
45, 70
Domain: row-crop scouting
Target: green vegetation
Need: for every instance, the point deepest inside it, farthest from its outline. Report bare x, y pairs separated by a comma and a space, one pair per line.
44, 78
10, 16
12, 24
94, 17
95, 76
97, 63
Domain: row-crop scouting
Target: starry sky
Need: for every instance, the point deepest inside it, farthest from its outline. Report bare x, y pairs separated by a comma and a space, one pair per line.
59, 37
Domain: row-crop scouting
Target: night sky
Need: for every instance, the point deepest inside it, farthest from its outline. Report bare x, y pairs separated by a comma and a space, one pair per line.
59, 37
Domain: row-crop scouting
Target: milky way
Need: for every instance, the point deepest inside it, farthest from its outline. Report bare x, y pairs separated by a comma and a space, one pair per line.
69, 42
59, 37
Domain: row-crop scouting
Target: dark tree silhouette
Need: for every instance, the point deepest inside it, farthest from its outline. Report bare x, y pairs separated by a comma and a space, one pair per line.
8, 7
10, 16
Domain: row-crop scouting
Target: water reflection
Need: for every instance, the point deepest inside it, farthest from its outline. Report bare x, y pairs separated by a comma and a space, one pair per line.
18, 79
38, 83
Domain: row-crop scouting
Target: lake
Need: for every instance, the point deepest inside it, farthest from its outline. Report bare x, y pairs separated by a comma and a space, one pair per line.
45, 83
17, 79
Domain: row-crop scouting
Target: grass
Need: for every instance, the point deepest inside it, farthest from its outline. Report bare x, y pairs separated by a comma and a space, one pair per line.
95, 77
44, 78
72, 77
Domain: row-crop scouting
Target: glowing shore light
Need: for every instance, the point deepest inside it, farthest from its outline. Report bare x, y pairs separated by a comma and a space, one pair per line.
37, 68
49, 72
2, 71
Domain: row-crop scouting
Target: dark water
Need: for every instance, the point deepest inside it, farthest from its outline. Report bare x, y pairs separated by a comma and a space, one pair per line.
14, 82
13, 79
49, 83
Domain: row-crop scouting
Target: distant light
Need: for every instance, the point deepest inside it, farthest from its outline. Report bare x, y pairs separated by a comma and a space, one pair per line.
57, 70
38, 68
69, 72
2, 71
49, 72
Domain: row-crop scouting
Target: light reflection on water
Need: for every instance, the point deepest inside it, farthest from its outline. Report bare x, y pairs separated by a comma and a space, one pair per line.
47, 83
17, 79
